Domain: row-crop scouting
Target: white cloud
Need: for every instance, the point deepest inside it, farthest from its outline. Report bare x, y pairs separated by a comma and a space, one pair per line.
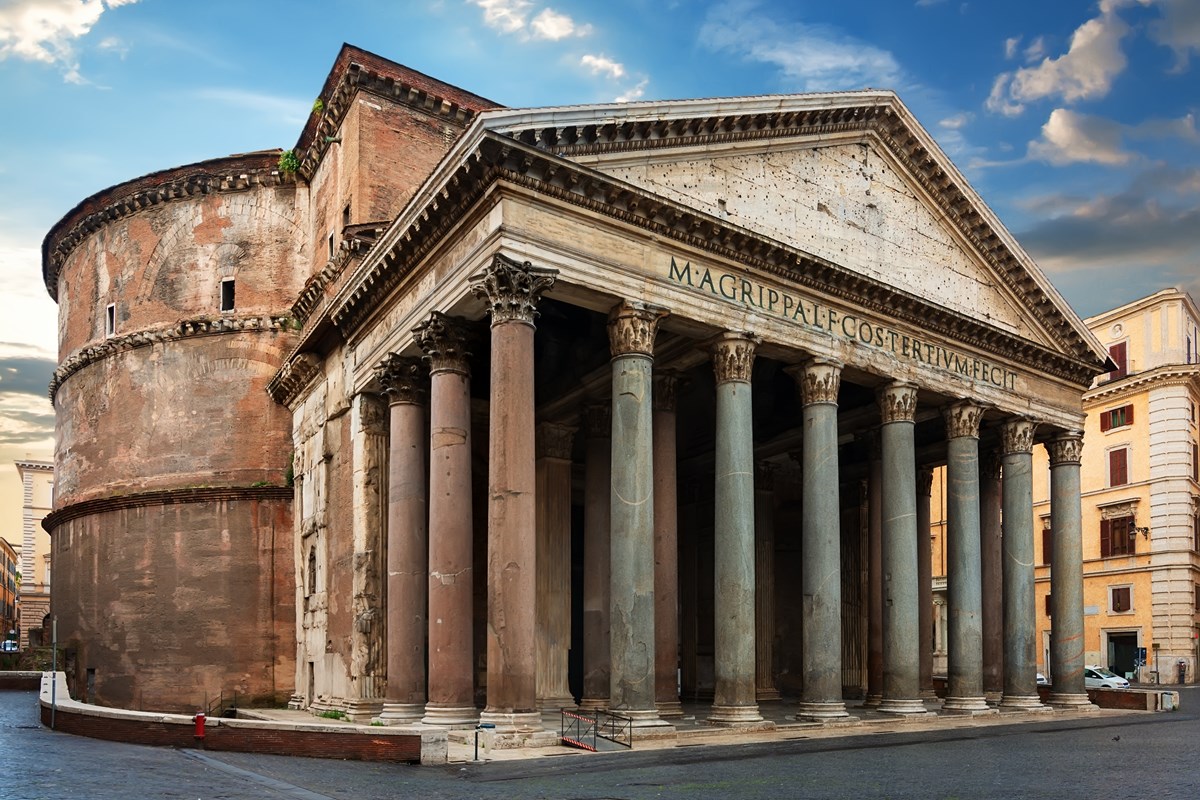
554, 26
1068, 137
1086, 71
602, 65
956, 122
633, 93
1178, 29
1035, 50
45, 30
1010, 46
808, 57
506, 16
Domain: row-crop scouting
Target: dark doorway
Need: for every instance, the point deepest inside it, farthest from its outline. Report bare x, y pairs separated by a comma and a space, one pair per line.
1122, 653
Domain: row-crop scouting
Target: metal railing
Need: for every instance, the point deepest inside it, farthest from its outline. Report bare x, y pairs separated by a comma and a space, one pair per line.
578, 731
615, 728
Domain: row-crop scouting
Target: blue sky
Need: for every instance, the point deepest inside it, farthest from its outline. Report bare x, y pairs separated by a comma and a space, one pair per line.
1075, 120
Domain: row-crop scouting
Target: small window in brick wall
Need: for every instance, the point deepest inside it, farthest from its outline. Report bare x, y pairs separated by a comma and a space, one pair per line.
227, 294
1116, 418
110, 320
1120, 599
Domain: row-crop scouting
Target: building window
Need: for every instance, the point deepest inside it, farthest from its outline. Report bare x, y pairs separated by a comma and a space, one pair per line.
1117, 537
1047, 546
227, 294
1196, 597
331, 246
110, 320
1120, 599
1118, 466
1117, 353
1195, 462
1116, 418
346, 215
312, 571
1196, 534
1047, 605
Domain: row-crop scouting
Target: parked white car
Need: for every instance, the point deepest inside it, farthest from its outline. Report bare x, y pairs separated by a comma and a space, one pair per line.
1100, 678
1041, 679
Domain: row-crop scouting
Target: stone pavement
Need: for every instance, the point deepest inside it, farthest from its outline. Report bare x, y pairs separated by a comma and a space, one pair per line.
692, 730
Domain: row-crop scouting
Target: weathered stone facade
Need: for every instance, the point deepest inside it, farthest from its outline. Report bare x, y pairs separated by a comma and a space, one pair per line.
807, 281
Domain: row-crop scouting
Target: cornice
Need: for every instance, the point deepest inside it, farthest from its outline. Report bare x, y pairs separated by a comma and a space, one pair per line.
293, 378
356, 241
221, 175
165, 497
186, 329
1166, 375
495, 159
35, 466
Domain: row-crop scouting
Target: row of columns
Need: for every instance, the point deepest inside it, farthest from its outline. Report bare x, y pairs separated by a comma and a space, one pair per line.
630, 597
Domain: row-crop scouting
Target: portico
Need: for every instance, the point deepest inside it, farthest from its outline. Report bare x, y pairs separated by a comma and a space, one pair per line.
684, 377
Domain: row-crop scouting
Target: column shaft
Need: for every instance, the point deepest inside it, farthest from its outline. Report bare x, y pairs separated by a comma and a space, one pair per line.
821, 568
764, 579
901, 662
596, 556
1020, 654
666, 550
991, 577
964, 692
553, 477
407, 540
1066, 576
875, 576
368, 651
925, 581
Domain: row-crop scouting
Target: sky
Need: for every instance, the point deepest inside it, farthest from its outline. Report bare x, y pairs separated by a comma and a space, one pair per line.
1075, 120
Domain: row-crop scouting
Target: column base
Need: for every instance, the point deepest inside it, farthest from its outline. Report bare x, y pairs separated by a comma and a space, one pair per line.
969, 706
872, 701
447, 716
556, 704
1070, 702
734, 715
928, 694
993, 698
519, 722
767, 695
641, 718
821, 712
296, 702
363, 710
401, 713
911, 707
593, 704
669, 708
1023, 702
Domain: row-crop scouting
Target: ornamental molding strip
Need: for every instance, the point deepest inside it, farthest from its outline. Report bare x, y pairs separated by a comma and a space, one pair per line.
293, 378
167, 497
1166, 375
497, 161
216, 176
181, 330
1121, 508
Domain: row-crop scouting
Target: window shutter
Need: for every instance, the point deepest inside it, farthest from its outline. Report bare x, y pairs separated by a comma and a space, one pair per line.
1118, 467
1105, 538
1120, 599
1117, 354
1047, 545
1106, 421
1129, 415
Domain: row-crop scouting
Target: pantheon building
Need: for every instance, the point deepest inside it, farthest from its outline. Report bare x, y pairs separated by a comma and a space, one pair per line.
455, 413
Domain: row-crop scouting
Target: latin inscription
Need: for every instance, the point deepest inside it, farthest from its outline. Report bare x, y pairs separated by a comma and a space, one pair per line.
835, 322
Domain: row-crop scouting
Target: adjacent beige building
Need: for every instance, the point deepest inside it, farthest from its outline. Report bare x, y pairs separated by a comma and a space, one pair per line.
1141, 498
37, 486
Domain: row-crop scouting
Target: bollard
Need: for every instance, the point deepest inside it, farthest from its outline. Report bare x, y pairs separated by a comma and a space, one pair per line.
199, 720
478, 728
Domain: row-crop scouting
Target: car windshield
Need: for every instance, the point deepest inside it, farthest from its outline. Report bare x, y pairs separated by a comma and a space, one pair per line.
1105, 673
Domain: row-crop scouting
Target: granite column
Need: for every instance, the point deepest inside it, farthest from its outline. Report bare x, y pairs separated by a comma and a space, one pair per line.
991, 575
554, 447
925, 580
764, 579
666, 550
596, 510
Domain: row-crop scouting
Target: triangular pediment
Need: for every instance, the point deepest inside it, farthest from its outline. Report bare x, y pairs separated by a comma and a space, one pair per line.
850, 178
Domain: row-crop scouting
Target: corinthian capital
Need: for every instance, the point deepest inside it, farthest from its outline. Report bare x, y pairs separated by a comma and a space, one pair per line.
897, 402
1066, 448
962, 419
1017, 437
554, 440
733, 357
632, 328
512, 289
597, 421
444, 340
818, 380
665, 383
402, 378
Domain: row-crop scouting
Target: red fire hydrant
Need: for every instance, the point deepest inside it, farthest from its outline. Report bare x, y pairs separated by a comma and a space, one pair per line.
199, 720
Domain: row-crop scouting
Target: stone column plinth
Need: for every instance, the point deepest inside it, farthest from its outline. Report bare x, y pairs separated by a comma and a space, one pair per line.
451, 699
991, 577
631, 331
666, 550
764, 579
874, 574
1020, 623
512, 291
925, 581
404, 383
821, 567
964, 688
1068, 691
554, 445
734, 694
596, 555
901, 639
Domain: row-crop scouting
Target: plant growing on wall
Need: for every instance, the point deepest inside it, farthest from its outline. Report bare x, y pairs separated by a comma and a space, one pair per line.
289, 162
318, 106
